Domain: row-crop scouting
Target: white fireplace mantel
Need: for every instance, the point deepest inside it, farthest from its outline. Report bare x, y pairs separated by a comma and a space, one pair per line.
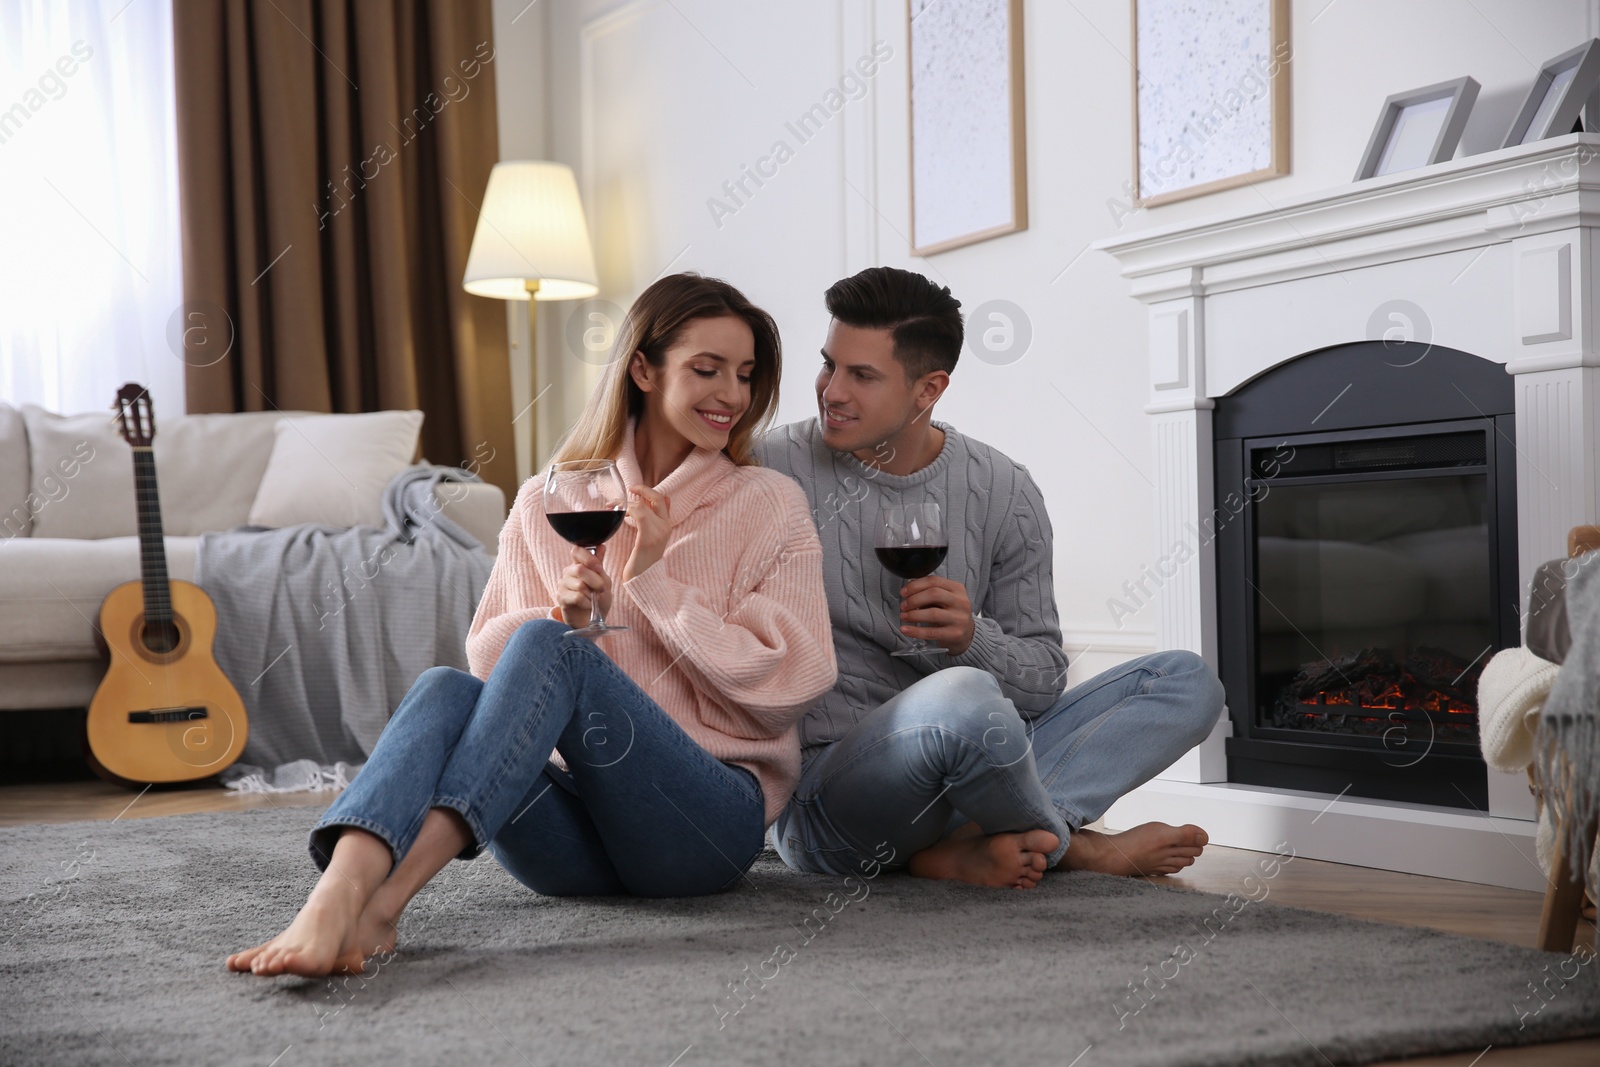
1493, 254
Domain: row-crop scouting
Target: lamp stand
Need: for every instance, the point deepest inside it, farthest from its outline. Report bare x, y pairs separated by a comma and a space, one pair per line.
532, 285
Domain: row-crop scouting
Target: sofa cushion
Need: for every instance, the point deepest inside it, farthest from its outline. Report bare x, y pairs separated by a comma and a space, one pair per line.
208, 468
333, 469
51, 590
82, 472
66, 683
16, 517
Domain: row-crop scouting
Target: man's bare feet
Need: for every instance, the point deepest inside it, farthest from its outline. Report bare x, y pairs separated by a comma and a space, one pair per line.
1154, 848
1014, 861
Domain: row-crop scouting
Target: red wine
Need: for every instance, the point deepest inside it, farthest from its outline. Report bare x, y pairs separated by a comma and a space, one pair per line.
587, 529
917, 561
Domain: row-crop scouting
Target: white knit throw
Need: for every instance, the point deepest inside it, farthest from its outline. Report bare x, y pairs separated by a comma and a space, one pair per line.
1511, 692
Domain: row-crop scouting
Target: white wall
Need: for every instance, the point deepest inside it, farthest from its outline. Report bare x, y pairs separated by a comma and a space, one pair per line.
520, 84
658, 103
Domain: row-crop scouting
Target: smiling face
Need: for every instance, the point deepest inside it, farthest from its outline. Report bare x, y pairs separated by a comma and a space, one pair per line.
863, 396
702, 388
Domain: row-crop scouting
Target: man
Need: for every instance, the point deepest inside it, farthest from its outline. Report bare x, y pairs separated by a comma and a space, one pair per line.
970, 765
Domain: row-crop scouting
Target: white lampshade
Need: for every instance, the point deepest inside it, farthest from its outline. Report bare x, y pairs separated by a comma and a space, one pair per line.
531, 228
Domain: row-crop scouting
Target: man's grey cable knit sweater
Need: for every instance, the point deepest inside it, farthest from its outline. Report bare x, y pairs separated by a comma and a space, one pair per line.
1000, 550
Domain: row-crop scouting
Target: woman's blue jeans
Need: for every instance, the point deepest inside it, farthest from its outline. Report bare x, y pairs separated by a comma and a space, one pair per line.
642, 809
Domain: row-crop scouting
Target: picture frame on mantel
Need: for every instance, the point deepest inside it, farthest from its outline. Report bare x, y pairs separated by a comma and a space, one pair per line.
1418, 127
968, 146
1560, 92
1208, 113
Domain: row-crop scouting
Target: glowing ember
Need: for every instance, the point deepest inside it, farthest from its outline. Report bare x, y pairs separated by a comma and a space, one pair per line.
1370, 692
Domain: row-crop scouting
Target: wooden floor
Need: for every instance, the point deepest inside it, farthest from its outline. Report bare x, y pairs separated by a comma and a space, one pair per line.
1505, 915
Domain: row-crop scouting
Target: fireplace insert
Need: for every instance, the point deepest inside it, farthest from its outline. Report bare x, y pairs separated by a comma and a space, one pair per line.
1366, 569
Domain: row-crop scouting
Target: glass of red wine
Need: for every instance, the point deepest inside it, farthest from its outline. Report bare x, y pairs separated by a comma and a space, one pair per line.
911, 544
585, 500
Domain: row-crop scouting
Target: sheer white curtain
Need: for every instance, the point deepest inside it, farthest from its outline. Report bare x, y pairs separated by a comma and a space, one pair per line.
89, 234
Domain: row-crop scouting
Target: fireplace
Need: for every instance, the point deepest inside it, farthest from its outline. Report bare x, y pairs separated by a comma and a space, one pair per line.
1495, 254
1368, 571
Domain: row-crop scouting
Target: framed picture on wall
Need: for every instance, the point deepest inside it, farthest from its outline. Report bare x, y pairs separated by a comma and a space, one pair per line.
969, 174
1210, 96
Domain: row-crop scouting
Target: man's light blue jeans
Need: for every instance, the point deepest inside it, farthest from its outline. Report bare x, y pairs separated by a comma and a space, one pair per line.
953, 749
642, 809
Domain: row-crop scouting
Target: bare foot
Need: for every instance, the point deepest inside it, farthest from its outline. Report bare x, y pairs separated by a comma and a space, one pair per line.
302, 948
1014, 861
1154, 848
314, 944
241, 961
375, 936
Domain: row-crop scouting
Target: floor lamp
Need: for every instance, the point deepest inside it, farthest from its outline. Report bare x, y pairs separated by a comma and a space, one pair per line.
532, 244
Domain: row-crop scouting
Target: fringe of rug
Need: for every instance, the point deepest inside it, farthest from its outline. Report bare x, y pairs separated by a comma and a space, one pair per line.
1568, 752
299, 776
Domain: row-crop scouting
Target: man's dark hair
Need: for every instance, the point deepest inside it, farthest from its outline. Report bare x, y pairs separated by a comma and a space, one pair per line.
924, 317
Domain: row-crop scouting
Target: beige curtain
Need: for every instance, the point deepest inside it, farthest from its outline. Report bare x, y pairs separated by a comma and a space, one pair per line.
331, 158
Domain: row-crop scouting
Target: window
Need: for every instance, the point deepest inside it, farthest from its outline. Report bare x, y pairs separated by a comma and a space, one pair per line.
90, 268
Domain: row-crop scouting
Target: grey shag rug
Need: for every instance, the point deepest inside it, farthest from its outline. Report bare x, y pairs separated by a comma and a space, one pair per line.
114, 935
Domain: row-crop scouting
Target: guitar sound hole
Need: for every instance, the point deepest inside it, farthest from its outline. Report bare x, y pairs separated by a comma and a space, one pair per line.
160, 637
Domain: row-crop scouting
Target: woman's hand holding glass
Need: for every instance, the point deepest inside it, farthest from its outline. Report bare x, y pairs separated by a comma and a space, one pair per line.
584, 501
585, 584
582, 585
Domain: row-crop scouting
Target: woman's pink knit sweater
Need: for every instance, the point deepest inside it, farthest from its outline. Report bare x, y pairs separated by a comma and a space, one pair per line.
729, 631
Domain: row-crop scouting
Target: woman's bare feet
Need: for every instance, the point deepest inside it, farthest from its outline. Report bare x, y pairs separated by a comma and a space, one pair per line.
316, 943
1154, 848
1014, 861
373, 935
328, 934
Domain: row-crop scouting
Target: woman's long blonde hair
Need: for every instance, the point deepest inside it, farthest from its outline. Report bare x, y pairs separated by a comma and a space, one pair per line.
654, 324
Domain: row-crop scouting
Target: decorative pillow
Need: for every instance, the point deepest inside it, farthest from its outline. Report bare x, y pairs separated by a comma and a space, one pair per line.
81, 475
210, 466
332, 469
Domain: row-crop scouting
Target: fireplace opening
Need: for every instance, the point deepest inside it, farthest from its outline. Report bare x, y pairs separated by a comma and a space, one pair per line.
1372, 588
1363, 586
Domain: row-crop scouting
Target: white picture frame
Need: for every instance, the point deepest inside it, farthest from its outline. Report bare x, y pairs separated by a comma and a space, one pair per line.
1208, 113
968, 150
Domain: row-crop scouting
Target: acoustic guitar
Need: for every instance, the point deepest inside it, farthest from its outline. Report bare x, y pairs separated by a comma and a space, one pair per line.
164, 712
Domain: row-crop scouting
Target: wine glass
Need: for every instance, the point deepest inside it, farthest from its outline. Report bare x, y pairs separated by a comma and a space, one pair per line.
911, 543
585, 500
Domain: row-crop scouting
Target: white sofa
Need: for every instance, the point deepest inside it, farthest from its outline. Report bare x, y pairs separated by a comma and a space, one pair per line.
69, 533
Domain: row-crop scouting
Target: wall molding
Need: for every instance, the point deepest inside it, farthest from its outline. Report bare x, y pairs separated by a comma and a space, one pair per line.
1117, 642
592, 29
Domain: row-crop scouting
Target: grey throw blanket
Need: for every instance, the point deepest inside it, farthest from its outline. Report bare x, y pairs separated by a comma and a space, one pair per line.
1567, 745
323, 630
1547, 634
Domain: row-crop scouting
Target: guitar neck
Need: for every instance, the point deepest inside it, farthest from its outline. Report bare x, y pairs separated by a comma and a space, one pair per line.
152, 549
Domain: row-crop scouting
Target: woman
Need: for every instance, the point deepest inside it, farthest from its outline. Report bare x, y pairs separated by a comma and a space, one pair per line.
677, 737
